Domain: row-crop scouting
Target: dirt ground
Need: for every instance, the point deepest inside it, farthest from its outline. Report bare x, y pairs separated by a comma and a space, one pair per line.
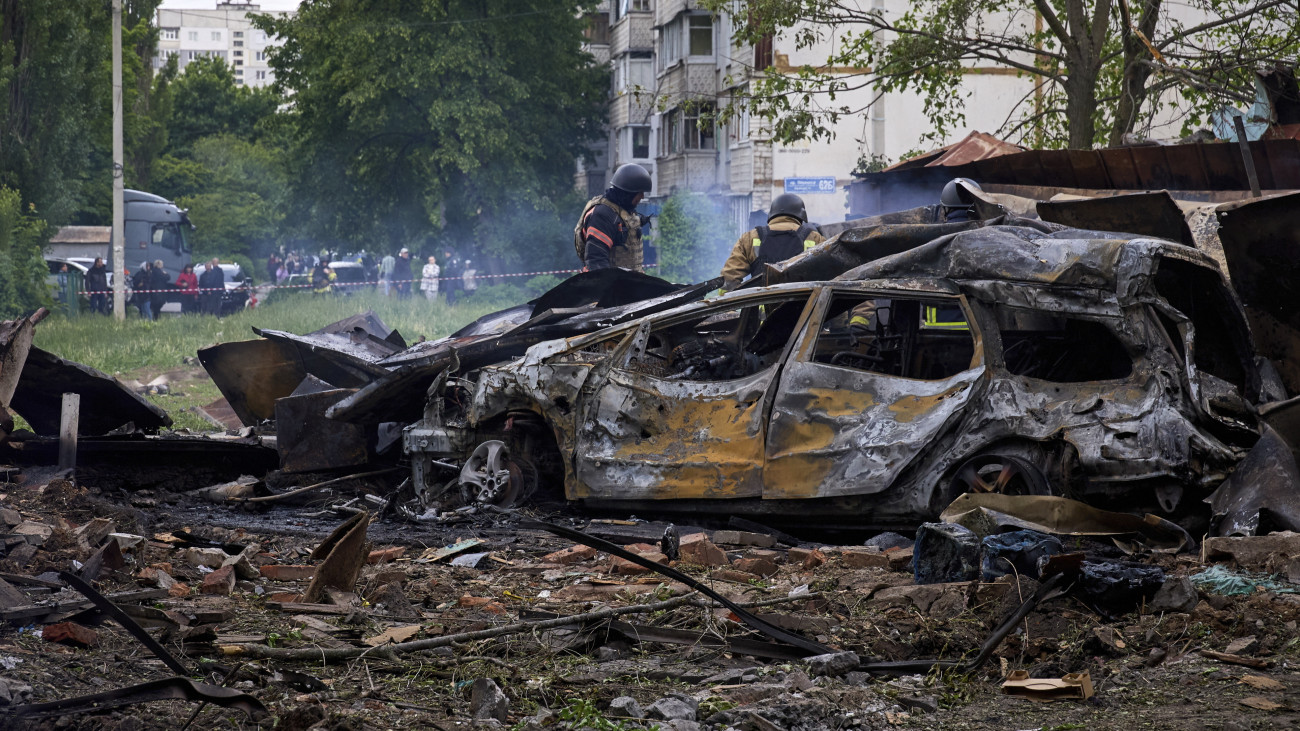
1147, 669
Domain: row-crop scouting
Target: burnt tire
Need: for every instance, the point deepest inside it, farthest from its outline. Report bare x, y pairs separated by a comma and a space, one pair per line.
1005, 474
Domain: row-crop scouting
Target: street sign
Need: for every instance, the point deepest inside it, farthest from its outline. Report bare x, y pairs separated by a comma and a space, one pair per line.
810, 185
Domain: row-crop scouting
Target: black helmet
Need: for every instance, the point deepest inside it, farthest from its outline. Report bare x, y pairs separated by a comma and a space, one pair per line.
959, 193
788, 204
632, 178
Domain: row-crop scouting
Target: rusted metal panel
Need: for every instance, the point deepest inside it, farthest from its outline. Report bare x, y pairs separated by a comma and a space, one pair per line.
252, 374
308, 442
1145, 214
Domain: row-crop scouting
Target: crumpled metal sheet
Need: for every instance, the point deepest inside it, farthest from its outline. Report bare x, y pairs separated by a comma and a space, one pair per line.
1144, 214
1264, 491
105, 403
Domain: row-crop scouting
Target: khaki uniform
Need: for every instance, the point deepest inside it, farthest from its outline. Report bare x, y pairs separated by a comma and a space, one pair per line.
744, 253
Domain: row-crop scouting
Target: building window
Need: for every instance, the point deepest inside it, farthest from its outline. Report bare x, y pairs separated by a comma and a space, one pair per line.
216, 35
670, 37
239, 62
674, 132
191, 55
763, 58
193, 35
698, 127
639, 6
640, 142
239, 54
261, 75
168, 34
238, 34
597, 30
260, 55
238, 44
701, 29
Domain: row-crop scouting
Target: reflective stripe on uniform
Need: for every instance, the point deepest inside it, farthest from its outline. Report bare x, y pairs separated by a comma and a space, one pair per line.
932, 320
600, 235
757, 243
808, 244
860, 320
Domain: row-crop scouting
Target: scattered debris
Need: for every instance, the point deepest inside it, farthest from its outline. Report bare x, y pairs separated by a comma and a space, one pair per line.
1074, 686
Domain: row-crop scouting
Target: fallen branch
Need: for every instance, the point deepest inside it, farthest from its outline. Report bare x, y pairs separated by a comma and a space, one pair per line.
308, 654
317, 486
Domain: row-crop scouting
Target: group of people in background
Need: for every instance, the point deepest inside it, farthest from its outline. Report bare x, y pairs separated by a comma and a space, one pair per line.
152, 287
400, 274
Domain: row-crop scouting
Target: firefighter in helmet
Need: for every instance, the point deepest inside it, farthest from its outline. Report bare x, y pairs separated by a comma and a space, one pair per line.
786, 234
608, 233
957, 202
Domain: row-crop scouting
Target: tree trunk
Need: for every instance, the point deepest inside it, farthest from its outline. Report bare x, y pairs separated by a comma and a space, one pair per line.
1080, 103
1133, 87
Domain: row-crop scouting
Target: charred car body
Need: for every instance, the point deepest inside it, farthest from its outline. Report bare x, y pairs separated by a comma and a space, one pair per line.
1025, 358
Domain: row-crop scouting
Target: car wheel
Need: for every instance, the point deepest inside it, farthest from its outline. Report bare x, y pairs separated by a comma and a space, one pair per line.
492, 476
1001, 473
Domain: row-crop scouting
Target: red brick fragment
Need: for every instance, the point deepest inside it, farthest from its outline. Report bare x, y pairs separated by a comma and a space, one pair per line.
220, 582
285, 572
386, 555
571, 555
70, 633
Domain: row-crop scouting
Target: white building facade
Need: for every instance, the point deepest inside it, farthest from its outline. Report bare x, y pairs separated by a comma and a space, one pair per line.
673, 64
220, 29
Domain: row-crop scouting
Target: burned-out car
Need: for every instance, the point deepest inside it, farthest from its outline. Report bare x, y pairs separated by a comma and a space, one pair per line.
1031, 360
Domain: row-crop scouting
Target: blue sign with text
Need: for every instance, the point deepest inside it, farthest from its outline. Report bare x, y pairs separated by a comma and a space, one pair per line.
810, 185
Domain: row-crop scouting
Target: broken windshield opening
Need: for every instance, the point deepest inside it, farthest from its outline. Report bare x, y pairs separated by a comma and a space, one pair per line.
908, 338
1198, 293
720, 344
1051, 347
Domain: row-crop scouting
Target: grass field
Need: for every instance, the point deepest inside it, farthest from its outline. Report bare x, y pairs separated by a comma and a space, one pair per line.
128, 346
138, 349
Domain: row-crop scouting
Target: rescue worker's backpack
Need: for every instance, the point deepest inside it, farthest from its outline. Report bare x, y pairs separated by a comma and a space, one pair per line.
772, 247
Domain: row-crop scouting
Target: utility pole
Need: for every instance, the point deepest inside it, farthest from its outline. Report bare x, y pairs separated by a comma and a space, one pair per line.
119, 246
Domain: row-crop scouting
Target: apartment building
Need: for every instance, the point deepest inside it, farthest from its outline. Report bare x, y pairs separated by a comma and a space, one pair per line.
672, 65
190, 29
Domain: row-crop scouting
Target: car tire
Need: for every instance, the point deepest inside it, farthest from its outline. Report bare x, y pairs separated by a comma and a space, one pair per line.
1005, 474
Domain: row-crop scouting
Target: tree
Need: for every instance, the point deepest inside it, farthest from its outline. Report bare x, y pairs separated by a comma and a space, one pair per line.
1099, 67
237, 203
51, 89
451, 120
691, 237
22, 267
205, 101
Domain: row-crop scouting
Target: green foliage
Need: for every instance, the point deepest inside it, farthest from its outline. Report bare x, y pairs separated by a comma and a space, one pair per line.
580, 713
50, 57
22, 267
206, 102
692, 238
458, 121
1094, 78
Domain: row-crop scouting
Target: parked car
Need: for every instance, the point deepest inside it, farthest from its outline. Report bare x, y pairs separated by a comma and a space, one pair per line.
238, 288
1006, 359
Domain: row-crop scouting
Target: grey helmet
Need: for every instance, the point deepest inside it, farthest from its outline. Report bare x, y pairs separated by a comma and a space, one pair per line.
959, 193
788, 204
632, 178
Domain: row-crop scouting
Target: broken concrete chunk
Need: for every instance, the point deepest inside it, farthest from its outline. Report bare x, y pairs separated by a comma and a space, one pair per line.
35, 533
1255, 552
126, 541
1243, 646
1175, 595
673, 708
743, 538
394, 602
832, 664
243, 565
625, 706
14, 692
487, 701
888, 540
10, 518
946, 552
697, 549
212, 558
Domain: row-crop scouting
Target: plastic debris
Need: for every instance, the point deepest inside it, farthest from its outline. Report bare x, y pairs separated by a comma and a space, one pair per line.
1018, 552
1224, 581
1071, 687
1115, 587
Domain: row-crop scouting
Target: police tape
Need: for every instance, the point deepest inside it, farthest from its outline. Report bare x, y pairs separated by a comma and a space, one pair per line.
337, 284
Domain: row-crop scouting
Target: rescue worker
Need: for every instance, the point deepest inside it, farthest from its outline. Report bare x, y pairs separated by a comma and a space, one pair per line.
957, 202
608, 233
787, 234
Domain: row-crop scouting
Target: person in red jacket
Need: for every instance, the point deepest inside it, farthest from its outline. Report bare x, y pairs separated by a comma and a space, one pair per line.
188, 281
